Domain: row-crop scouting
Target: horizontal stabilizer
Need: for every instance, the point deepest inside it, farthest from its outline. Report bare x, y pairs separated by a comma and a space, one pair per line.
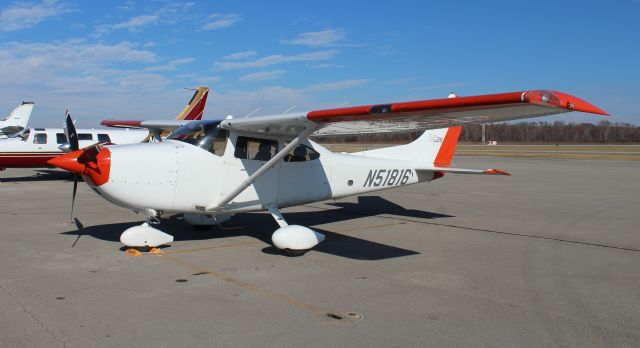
431, 168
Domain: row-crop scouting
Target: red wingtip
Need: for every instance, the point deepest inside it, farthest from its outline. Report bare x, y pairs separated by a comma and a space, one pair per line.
496, 172
563, 100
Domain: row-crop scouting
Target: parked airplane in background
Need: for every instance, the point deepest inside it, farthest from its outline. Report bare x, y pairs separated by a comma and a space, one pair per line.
17, 120
210, 170
35, 146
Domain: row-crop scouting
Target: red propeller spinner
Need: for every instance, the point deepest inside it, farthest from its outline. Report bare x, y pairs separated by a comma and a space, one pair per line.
93, 162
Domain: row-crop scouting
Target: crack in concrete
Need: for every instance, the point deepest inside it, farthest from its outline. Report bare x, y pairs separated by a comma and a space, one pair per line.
33, 316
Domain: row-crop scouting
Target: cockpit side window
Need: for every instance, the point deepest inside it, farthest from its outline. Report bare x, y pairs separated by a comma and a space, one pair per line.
40, 138
103, 138
61, 138
302, 153
255, 148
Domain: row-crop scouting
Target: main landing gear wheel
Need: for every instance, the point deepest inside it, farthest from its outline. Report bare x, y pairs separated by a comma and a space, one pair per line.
293, 240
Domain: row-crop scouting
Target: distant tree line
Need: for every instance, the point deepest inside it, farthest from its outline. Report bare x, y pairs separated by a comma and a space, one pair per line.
525, 132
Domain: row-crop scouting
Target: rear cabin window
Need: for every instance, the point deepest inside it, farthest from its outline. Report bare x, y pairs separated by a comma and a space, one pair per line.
61, 138
104, 138
255, 148
302, 153
85, 136
40, 138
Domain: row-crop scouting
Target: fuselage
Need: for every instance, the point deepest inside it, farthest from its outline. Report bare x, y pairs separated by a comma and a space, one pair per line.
178, 177
35, 146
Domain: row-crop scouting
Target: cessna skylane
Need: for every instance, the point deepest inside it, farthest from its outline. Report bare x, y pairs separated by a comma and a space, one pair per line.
17, 120
210, 170
33, 147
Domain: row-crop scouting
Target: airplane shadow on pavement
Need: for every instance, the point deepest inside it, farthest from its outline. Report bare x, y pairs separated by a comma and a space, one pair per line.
261, 226
41, 175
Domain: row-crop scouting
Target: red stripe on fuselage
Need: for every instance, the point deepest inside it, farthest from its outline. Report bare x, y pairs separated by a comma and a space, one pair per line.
26, 161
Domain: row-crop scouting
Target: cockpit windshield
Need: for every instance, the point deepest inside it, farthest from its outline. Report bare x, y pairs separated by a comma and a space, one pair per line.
207, 135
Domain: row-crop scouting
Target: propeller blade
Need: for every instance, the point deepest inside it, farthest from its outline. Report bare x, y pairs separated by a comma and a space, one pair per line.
73, 196
70, 131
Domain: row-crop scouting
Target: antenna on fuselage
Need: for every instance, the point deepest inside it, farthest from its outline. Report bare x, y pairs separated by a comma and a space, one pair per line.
252, 112
289, 109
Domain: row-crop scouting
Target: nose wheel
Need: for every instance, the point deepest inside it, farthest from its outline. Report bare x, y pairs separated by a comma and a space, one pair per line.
145, 237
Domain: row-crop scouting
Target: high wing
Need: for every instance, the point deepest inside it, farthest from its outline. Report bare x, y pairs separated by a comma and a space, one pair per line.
417, 115
192, 112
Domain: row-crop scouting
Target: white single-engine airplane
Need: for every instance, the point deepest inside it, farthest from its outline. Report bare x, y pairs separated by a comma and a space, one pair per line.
17, 120
210, 170
33, 147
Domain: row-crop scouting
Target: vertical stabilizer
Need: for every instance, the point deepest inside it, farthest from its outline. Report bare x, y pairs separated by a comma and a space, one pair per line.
17, 120
195, 107
435, 146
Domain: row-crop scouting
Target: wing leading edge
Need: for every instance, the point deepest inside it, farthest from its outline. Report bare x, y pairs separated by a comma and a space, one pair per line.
418, 115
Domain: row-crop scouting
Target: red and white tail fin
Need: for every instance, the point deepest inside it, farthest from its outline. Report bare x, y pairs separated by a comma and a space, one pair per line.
195, 107
435, 146
432, 154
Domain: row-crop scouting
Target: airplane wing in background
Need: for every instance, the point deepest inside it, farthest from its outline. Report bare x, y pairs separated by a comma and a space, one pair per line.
417, 115
192, 112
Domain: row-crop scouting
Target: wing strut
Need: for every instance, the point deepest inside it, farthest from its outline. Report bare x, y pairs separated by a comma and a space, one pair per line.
265, 167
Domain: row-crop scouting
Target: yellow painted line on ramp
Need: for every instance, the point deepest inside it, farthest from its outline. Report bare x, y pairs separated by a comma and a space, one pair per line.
272, 294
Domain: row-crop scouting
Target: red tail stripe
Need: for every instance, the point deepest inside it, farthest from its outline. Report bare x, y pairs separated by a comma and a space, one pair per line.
448, 147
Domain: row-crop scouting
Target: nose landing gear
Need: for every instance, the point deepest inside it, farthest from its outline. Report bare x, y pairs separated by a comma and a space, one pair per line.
145, 236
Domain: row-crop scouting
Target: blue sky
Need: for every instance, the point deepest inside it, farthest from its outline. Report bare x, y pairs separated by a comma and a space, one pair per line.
132, 59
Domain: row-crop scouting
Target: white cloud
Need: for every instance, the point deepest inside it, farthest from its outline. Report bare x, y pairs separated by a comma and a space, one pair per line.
325, 37
64, 66
168, 13
276, 59
263, 75
338, 85
83, 77
135, 23
23, 15
172, 65
219, 21
240, 55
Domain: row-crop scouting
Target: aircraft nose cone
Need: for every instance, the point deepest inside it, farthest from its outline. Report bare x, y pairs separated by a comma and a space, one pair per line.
69, 162
93, 163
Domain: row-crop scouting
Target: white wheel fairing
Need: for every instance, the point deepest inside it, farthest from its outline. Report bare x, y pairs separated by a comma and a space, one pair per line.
295, 237
144, 236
